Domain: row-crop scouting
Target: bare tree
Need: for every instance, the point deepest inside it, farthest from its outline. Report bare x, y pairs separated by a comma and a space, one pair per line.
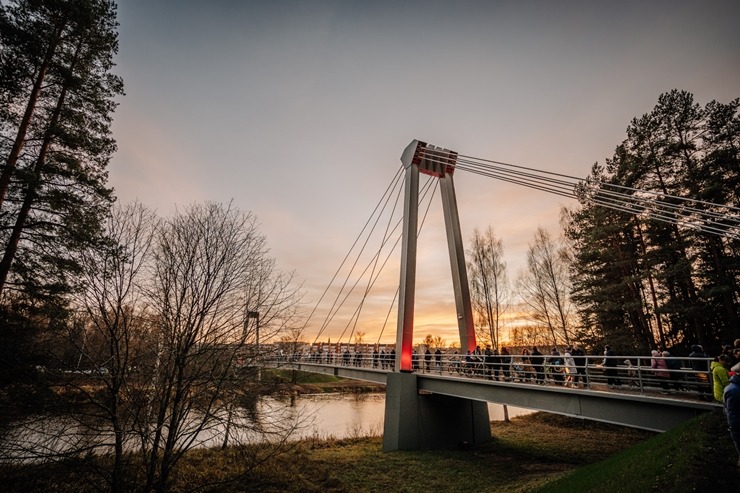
544, 287
114, 308
433, 342
527, 334
210, 273
107, 337
162, 353
489, 287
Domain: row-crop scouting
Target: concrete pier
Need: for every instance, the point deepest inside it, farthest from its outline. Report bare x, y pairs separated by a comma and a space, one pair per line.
415, 420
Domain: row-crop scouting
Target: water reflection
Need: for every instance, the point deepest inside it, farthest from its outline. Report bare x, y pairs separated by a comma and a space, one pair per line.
343, 416
306, 416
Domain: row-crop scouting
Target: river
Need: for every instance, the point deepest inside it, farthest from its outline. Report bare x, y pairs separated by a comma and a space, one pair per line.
308, 416
353, 415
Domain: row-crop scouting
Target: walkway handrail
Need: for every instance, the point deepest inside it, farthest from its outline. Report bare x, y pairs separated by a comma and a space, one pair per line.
684, 376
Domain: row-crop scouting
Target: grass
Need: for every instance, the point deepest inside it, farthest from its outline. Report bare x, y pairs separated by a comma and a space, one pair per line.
301, 382
533, 453
697, 456
301, 376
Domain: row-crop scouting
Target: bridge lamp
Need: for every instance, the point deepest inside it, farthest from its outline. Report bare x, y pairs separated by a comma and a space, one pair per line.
256, 317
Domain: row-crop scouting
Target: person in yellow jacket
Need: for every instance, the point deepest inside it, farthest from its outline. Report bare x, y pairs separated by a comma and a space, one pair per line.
720, 376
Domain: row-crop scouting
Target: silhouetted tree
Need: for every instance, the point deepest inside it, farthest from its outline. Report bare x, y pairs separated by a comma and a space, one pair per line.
210, 270
489, 285
58, 97
545, 287
665, 280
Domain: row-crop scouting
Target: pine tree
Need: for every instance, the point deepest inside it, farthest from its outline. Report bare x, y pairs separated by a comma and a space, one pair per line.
58, 93
607, 277
668, 279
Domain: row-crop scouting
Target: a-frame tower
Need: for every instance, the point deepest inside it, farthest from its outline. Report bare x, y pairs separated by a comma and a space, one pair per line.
415, 421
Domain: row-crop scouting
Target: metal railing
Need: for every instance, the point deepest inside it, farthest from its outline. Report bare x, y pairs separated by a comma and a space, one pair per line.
682, 376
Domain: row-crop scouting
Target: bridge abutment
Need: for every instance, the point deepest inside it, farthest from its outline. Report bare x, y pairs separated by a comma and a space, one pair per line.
423, 421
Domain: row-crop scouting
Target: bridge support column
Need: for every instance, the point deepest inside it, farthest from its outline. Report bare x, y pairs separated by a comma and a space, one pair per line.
423, 421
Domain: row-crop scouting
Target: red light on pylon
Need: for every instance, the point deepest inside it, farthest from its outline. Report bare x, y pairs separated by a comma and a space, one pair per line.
406, 359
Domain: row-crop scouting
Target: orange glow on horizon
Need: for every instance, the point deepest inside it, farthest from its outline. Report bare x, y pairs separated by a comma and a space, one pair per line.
441, 323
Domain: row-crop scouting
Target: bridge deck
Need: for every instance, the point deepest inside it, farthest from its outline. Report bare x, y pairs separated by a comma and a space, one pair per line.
636, 402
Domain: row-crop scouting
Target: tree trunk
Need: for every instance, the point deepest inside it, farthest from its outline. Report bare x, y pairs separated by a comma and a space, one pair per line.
20, 138
728, 301
38, 168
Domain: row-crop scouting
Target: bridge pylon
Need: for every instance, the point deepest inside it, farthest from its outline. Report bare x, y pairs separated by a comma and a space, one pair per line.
423, 421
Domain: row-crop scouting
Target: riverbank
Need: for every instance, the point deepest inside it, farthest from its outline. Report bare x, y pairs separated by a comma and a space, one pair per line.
300, 383
534, 453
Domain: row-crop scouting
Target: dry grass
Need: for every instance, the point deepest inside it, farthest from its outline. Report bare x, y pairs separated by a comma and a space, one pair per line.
537, 452
525, 453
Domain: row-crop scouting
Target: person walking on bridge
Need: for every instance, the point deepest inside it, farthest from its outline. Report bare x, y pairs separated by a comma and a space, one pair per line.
660, 370
555, 366
720, 376
610, 367
570, 368
700, 365
488, 362
579, 358
731, 398
537, 360
527, 368
505, 363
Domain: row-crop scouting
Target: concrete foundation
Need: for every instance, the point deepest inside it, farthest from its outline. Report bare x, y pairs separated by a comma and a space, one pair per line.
424, 421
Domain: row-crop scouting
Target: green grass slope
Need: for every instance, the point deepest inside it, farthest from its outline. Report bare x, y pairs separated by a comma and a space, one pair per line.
697, 456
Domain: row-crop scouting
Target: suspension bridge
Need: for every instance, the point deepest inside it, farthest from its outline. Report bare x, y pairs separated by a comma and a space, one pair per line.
442, 408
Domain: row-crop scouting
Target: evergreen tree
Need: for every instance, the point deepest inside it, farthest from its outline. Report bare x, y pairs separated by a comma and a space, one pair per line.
718, 176
670, 279
58, 97
606, 275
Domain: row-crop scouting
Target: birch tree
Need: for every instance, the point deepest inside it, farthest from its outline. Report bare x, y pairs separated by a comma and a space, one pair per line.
489, 286
545, 289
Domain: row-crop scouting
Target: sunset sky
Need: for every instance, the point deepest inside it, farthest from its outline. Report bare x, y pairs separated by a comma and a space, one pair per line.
300, 110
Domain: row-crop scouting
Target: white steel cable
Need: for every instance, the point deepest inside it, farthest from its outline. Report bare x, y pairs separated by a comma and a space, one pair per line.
724, 220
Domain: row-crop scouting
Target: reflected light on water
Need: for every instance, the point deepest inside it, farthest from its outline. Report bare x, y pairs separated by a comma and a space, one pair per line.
308, 416
344, 416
